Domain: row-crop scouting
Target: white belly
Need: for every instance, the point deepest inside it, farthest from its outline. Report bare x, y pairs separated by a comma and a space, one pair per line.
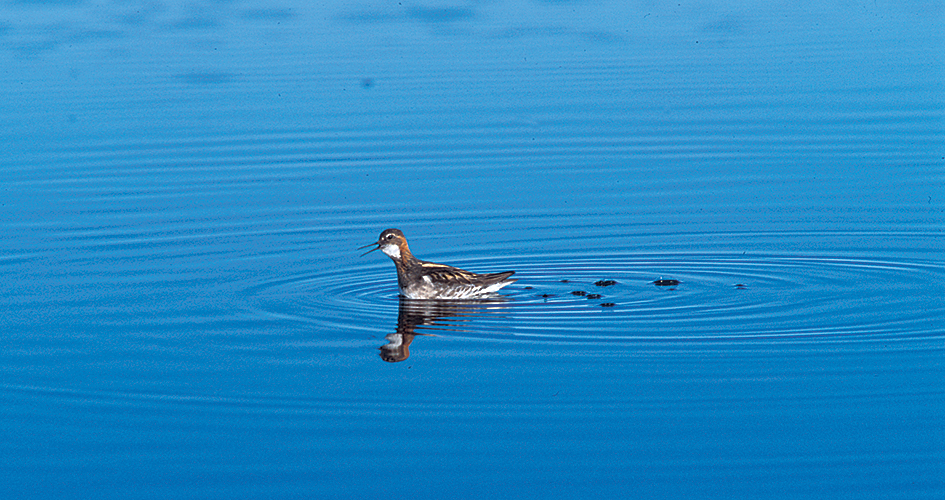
425, 289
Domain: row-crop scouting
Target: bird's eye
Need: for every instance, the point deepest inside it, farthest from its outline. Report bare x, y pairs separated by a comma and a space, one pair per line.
389, 236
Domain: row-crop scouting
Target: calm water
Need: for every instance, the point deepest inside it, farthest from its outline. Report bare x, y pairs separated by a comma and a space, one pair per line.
185, 314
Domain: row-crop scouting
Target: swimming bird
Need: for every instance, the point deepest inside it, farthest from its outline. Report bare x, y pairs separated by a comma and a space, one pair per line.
419, 279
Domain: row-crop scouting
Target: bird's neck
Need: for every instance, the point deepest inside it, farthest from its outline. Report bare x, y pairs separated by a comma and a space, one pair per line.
401, 254
405, 256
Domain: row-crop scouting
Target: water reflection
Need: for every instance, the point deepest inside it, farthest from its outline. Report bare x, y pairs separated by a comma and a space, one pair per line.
453, 316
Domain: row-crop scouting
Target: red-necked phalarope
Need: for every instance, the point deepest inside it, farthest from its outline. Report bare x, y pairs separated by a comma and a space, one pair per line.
425, 280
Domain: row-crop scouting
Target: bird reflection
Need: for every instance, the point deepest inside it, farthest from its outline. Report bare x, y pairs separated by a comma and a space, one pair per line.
442, 315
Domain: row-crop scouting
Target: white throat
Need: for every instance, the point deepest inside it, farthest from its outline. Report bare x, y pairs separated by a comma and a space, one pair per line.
392, 251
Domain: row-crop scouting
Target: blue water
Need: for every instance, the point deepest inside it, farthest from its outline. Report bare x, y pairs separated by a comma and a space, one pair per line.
185, 313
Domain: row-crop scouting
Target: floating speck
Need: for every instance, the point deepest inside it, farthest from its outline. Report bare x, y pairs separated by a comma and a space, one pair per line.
594, 295
662, 282
579, 293
605, 283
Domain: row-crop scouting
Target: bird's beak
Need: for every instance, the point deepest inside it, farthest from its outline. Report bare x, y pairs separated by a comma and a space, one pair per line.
371, 250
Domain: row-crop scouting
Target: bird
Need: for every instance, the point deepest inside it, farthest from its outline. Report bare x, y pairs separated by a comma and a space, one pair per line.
420, 279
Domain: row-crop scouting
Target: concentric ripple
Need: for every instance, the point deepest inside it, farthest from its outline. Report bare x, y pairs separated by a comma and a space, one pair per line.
635, 297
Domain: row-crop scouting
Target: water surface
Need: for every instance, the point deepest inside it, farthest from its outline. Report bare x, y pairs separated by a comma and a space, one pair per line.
185, 313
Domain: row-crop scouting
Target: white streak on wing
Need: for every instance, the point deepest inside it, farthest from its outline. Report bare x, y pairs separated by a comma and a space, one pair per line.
427, 279
462, 293
474, 291
495, 286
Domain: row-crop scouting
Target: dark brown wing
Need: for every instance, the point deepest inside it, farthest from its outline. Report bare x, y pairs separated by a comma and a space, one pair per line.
496, 277
443, 274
